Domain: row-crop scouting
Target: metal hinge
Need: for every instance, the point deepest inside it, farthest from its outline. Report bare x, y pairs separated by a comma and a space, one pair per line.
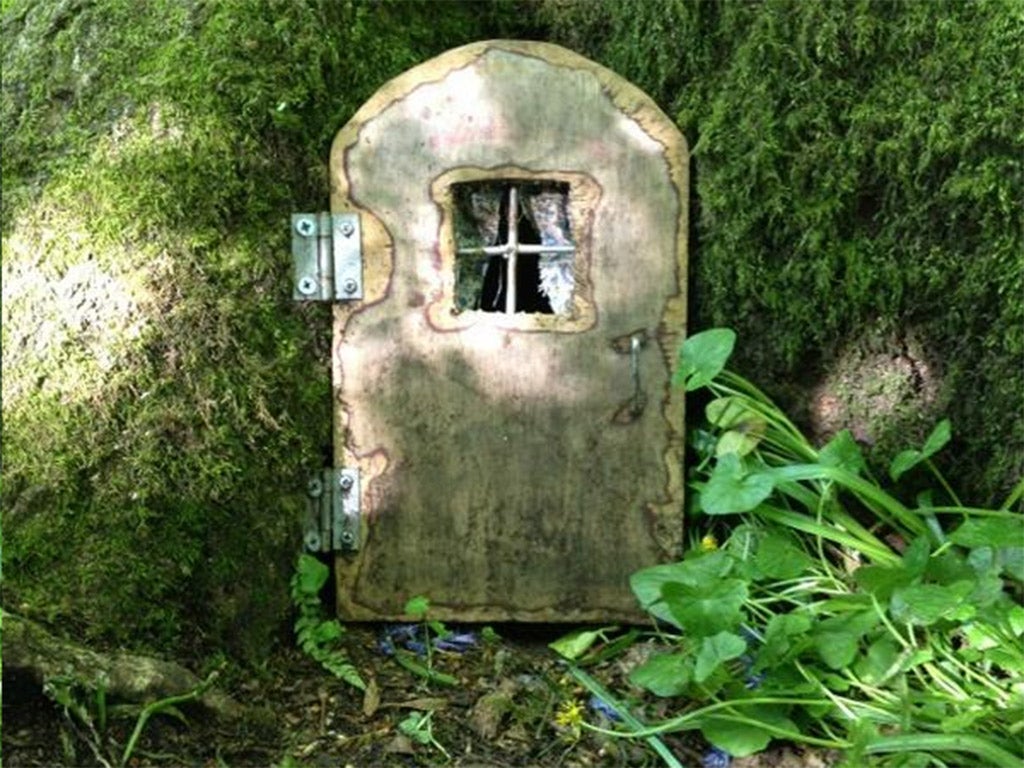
333, 518
328, 257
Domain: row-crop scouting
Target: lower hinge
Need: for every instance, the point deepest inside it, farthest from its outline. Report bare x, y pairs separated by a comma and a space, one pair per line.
333, 518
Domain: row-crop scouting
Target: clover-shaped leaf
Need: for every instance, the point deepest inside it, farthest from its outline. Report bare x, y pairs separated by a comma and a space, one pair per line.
732, 489
703, 356
906, 460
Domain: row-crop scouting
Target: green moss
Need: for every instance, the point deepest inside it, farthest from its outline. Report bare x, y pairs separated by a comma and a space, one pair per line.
855, 168
164, 398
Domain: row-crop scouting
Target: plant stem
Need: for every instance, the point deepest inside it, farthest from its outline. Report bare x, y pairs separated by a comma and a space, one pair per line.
1015, 495
907, 645
940, 679
598, 690
942, 481
157, 706
416, 668
686, 721
777, 417
943, 742
1001, 696
977, 512
782, 733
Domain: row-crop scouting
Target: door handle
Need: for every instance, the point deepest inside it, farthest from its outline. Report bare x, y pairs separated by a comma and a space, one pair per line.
630, 344
639, 399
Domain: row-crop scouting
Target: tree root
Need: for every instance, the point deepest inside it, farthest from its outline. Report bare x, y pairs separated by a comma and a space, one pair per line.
34, 652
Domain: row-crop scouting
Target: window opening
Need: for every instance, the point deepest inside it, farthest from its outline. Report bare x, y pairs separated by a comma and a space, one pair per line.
514, 247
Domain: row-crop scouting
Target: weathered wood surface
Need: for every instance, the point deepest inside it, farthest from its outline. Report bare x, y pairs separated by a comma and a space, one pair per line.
503, 475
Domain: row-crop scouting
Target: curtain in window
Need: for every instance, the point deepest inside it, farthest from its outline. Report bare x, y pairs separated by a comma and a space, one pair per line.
477, 218
548, 212
481, 209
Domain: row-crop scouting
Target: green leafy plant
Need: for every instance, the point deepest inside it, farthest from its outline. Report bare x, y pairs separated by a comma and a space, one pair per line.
318, 636
417, 607
834, 613
432, 630
418, 726
85, 707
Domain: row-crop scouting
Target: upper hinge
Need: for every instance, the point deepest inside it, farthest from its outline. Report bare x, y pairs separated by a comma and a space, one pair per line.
333, 513
328, 256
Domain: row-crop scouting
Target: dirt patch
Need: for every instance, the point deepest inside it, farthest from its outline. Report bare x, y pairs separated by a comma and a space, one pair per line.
873, 384
503, 711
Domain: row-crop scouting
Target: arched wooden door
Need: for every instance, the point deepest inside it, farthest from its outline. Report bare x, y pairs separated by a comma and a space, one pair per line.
503, 387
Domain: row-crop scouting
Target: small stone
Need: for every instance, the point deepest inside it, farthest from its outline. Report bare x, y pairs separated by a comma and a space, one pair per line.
491, 708
400, 745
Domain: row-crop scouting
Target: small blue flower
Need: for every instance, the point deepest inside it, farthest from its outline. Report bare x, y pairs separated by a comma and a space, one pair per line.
402, 633
754, 681
716, 758
417, 647
397, 634
751, 680
750, 635
459, 642
602, 707
414, 637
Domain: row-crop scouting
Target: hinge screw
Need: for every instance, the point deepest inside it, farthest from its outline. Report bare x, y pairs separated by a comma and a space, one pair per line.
312, 541
347, 229
347, 537
315, 488
346, 483
307, 286
305, 227
350, 286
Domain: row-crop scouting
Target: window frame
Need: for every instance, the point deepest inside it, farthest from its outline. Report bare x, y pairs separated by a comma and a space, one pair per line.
584, 199
511, 249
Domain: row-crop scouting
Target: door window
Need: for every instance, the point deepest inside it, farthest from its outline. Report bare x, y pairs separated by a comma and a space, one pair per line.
514, 247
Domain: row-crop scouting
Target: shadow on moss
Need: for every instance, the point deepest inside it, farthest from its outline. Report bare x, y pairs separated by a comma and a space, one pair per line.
164, 398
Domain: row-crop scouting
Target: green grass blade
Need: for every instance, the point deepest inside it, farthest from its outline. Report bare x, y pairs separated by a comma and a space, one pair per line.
875, 498
621, 710
916, 743
868, 545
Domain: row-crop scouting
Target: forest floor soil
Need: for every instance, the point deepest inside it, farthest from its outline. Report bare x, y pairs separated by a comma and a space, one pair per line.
502, 712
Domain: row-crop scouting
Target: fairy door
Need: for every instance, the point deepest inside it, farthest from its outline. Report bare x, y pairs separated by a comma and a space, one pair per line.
502, 388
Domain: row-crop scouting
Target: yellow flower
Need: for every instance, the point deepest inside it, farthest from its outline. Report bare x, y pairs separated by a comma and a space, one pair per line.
569, 715
709, 543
